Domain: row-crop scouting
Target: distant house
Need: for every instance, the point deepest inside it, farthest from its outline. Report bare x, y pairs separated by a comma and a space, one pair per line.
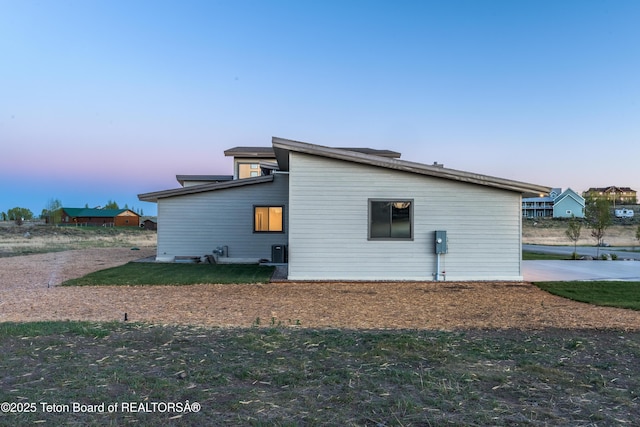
557, 204
99, 217
350, 214
568, 204
149, 223
617, 195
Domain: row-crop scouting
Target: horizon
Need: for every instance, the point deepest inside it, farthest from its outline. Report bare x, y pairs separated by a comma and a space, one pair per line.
105, 101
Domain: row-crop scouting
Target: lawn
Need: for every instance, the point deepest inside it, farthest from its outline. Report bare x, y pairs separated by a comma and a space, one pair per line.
95, 374
143, 273
606, 293
185, 376
536, 256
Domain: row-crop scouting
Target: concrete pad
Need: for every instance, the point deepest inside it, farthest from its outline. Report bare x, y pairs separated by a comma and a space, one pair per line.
552, 270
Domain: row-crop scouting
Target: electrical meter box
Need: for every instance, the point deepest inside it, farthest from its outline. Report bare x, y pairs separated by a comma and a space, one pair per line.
441, 242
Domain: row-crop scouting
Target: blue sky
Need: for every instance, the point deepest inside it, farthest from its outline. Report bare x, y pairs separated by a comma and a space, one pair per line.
103, 100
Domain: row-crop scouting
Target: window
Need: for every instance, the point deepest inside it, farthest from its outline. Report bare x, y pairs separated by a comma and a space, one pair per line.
391, 219
268, 219
248, 170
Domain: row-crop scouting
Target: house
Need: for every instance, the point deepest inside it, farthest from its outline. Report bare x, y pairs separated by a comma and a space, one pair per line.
149, 223
99, 217
557, 204
352, 215
568, 204
617, 195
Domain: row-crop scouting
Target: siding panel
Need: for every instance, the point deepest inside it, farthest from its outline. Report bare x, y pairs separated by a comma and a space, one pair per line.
195, 224
329, 228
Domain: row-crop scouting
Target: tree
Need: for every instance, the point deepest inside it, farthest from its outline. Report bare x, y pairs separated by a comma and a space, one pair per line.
19, 214
638, 233
598, 216
53, 211
111, 205
573, 233
4, 216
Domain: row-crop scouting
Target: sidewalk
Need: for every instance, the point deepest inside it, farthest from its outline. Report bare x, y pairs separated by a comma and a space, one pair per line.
540, 271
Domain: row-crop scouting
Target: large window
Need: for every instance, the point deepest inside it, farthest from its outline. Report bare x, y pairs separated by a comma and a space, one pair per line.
391, 219
268, 219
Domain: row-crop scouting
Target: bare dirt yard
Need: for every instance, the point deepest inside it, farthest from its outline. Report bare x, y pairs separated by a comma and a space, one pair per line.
552, 232
29, 291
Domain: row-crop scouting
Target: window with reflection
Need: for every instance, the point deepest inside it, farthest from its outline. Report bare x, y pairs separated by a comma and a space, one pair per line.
391, 219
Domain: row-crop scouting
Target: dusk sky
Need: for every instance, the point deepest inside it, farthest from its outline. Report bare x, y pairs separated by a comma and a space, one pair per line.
103, 100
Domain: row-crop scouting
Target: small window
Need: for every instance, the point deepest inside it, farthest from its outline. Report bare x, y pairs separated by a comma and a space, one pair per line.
254, 174
391, 219
254, 166
268, 219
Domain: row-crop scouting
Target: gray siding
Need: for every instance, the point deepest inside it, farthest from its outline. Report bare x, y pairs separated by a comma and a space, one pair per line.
195, 224
328, 220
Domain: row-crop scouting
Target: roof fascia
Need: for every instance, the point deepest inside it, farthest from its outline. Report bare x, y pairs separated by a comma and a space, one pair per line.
283, 147
203, 188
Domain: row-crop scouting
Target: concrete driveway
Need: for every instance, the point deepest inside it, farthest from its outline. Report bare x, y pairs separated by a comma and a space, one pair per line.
540, 271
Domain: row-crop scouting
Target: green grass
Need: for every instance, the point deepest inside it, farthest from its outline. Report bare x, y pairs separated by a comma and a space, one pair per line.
606, 293
142, 273
536, 256
287, 377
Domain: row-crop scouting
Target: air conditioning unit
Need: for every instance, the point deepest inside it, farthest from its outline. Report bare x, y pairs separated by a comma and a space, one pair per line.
278, 254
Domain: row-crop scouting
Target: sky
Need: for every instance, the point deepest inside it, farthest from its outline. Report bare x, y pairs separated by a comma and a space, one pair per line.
105, 100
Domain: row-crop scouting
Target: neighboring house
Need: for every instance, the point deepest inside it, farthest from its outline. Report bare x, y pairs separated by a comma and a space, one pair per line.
617, 195
568, 204
149, 223
101, 217
352, 215
557, 204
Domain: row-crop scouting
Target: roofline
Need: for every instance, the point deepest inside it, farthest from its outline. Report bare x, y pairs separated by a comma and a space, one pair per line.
202, 188
96, 211
283, 146
572, 194
250, 152
218, 178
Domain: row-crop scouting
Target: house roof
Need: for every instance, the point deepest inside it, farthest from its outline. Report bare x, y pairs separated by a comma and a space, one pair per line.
282, 147
213, 178
609, 189
571, 194
94, 212
262, 152
268, 152
214, 186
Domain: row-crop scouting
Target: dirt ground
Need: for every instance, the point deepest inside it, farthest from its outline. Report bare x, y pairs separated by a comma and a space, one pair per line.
552, 232
29, 292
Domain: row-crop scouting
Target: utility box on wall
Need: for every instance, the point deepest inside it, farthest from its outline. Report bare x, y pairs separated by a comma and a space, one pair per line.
441, 242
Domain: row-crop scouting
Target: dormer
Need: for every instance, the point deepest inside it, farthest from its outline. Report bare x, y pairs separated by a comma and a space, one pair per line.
555, 192
250, 162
